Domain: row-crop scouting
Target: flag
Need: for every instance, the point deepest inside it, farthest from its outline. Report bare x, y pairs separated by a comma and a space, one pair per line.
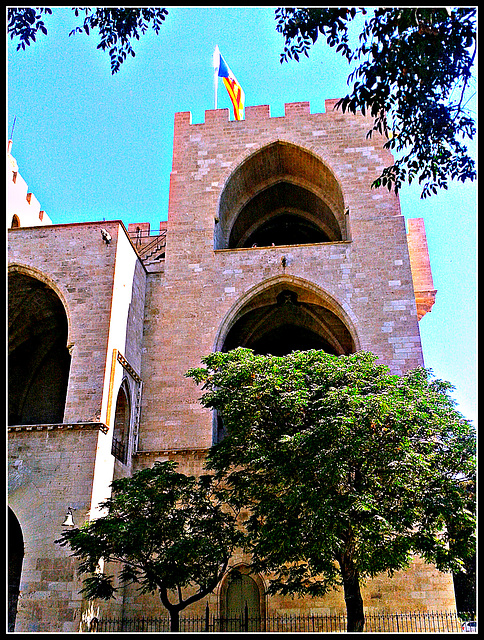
235, 91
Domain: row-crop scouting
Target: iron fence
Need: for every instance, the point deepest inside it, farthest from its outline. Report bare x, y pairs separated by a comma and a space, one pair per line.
415, 622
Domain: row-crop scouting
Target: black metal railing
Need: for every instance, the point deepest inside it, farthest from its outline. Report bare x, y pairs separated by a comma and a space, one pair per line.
148, 244
157, 244
415, 622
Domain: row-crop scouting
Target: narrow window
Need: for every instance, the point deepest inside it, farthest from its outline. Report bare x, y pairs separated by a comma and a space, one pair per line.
119, 447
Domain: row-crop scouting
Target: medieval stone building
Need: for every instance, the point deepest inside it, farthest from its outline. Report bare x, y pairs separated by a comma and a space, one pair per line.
275, 241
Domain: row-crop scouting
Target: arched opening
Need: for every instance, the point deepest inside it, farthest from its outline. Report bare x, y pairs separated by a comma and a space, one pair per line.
242, 605
287, 317
15, 560
281, 195
122, 419
15, 222
283, 229
38, 357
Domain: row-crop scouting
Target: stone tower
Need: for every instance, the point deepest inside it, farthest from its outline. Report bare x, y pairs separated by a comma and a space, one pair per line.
275, 241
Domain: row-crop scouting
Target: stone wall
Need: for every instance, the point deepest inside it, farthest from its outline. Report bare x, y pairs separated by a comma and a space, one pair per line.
50, 470
53, 467
143, 328
366, 277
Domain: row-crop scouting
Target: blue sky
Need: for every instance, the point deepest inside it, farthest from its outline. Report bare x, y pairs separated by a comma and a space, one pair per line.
93, 146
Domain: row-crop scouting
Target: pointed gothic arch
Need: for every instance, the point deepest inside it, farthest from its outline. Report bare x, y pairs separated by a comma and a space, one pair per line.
281, 194
38, 358
122, 424
292, 309
242, 602
285, 314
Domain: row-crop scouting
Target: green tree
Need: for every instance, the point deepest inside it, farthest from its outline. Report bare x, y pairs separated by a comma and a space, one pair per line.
465, 579
347, 471
413, 73
169, 532
117, 27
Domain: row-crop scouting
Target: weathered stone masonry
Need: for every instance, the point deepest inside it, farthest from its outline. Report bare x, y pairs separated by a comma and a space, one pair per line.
274, 239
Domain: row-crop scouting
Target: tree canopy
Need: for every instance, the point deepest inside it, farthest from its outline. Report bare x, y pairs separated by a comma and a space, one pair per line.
168, 531
348, 471
117, 26
413, 75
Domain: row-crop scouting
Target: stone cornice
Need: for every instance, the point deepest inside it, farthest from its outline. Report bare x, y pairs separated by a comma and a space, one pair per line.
69, 426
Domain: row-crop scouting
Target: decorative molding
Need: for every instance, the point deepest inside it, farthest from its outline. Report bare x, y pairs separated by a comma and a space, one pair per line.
111, 385
121, 359
425, 300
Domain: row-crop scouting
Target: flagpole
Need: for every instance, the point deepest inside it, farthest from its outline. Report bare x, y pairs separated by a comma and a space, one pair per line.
216, 60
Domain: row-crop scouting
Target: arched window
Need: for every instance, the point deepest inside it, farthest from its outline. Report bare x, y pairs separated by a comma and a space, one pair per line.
122, 420
38, 357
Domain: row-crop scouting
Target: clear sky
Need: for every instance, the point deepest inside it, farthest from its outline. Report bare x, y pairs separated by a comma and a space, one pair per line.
93, 146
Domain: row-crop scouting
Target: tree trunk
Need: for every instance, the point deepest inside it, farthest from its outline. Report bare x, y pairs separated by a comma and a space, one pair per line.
174, 620
354, 601
173, 610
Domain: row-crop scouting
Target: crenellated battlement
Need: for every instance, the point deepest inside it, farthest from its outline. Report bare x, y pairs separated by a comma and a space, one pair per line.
259, 113
23, 208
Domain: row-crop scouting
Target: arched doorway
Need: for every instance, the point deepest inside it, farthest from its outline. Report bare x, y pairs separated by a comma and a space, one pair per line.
281, 195
15, 560
38, 357
242, 602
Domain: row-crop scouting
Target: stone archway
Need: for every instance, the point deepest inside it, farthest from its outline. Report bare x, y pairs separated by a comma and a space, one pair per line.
38, 358
281, 195
242, 602
282, 315
122, 421
287, 314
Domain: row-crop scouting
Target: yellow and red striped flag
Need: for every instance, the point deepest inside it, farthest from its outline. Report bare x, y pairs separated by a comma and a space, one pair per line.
235, 91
